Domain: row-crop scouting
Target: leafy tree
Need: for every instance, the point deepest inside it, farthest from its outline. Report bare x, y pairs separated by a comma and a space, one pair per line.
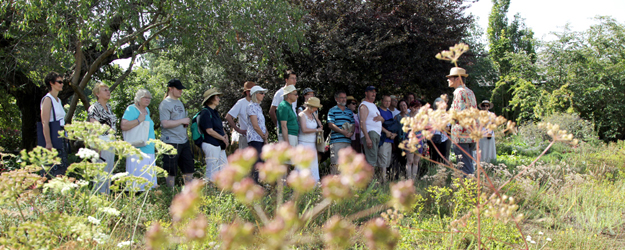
580, 72
505, 38
388, 44
82, 38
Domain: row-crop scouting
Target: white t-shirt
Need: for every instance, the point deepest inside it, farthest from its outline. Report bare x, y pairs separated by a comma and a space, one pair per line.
239, 110
278, 98
58, 109
375, 126
395, 112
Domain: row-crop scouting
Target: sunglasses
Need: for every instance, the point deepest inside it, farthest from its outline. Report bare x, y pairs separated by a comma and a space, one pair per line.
59, 81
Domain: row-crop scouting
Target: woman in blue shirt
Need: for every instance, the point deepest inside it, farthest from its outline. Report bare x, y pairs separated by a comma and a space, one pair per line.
133, 116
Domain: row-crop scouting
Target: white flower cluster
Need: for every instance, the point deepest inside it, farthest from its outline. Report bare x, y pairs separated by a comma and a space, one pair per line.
88, 154
100, 238
93, 220
118, 175
59, 185
124, 244
109, 211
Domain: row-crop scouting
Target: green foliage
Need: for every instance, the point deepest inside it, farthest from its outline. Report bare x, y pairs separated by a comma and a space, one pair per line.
388, 44
505, 38
580, 72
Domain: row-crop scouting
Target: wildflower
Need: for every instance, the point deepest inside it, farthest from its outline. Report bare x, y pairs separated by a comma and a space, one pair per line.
186, 201
242, 161
302, 156
453, 53
60, 185
236, 235
155, 238
93, 220
337, 233
124, 244
271, 170
247, 191
355, 171
196, 230
109, 211
100, 238
548, 239
540, 233
225, 178
301, 180
403, 195
288, 213
88, 154
379, 235
280, 152
118, 175
334, 189
82, 183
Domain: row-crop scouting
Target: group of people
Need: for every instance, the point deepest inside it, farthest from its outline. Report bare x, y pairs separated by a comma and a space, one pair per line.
368, 128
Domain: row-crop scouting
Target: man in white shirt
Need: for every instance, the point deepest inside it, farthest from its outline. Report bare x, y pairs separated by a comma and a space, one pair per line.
370, 126
290, 78
239, 110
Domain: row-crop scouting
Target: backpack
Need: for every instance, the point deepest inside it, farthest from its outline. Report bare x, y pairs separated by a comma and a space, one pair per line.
196, 133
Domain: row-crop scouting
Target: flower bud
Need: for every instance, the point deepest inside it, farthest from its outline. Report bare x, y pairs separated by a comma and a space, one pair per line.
155, 237
226, 178
301, 181
302, 156
271, 170
288, 213
236, 235
337, 233
247, 191
242, 161
379, 235
403, 195
196, 230
334, 189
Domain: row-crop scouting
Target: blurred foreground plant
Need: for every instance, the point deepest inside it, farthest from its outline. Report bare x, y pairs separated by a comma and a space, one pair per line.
284, 228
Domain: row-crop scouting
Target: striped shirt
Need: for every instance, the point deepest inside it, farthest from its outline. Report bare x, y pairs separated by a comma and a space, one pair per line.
338, 117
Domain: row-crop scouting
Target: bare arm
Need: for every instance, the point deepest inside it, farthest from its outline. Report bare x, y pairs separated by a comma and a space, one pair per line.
285, 131
363, 113
233, 125
45, 121
339, 130
272, 114
175, 123
302, 125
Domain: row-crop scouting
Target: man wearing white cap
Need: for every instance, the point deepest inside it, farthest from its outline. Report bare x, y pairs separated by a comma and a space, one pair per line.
463, 99
239, 110
290, 79
289, 128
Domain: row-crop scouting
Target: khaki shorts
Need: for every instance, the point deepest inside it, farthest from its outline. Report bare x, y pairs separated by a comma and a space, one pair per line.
371, 153
384, 155
334, 150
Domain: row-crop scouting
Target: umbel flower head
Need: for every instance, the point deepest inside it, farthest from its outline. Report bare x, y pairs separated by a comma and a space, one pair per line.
355, 171
453, 53
379, 235
184, 203
337, 233
236, 235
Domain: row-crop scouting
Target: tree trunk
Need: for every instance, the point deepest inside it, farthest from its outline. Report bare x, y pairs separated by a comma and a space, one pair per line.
28, 100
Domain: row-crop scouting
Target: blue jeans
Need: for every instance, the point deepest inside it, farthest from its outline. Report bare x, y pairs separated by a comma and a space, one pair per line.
467, 162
